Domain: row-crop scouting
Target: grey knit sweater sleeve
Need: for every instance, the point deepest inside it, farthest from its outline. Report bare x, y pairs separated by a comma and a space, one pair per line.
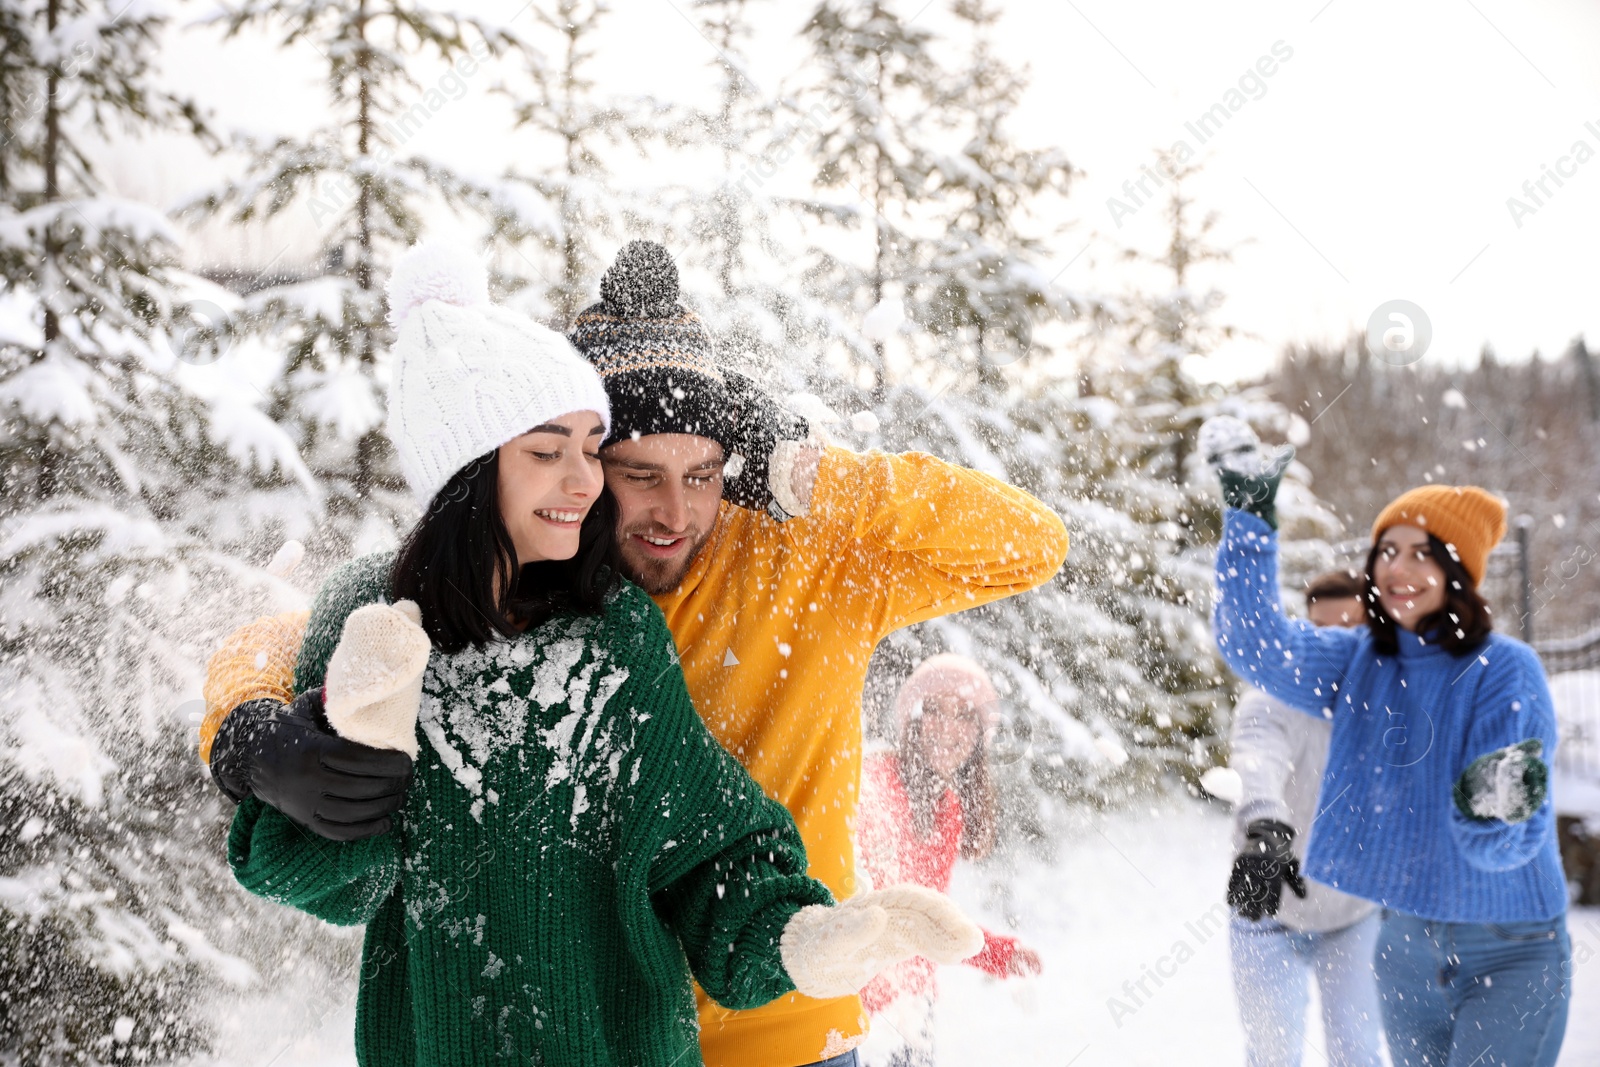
1262, 755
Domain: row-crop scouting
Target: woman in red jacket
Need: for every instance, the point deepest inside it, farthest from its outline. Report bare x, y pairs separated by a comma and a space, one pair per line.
926, 803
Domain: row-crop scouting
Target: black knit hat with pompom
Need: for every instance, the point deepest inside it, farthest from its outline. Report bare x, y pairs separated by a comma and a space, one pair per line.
654, 355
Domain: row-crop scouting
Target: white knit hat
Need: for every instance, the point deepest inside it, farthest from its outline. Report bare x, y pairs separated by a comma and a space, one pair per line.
469, 376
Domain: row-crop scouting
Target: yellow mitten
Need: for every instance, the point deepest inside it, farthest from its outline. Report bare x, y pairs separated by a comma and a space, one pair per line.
834, 951
373, 687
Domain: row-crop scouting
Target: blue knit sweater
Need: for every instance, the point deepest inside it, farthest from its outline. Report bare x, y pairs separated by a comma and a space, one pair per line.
1404, 728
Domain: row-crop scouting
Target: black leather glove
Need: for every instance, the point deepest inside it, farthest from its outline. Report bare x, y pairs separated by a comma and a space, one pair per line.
1255, 888
759, 423
1256, 493
289, 757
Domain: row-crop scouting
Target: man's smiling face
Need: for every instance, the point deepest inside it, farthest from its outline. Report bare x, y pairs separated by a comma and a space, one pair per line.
668, 488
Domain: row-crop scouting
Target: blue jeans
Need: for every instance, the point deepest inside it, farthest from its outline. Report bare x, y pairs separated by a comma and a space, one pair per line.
1272, 966
847, 1060
1479, 994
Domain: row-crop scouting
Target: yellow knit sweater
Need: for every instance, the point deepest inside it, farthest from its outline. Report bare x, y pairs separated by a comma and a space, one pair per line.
776, 624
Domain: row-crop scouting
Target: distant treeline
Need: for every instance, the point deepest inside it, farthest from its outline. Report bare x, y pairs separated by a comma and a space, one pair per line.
1529, 430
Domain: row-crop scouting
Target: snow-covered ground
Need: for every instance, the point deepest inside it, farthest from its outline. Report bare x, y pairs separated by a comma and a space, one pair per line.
1126, 891
1121, 898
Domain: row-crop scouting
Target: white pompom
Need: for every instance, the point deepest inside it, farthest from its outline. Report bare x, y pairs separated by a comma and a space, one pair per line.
437, 270
1224, 783
864, 422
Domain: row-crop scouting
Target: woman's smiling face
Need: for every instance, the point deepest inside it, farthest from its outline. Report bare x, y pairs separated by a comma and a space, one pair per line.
950, 731
1410, 581
549, 478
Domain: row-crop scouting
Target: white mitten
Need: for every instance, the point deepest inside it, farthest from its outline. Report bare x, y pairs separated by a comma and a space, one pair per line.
373, 687
834, 951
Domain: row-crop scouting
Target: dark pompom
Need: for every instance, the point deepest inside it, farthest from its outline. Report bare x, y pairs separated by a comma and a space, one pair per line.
642, 283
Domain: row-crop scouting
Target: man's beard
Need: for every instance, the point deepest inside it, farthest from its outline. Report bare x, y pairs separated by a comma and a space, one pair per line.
658, 576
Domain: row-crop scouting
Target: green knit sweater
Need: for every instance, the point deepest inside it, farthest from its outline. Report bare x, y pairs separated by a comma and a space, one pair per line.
574, 844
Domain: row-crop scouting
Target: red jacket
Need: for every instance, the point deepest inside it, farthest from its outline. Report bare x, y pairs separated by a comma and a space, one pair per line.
894, 854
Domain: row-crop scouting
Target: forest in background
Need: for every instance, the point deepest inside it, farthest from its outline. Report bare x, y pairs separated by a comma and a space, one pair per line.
167, 425
1527, 429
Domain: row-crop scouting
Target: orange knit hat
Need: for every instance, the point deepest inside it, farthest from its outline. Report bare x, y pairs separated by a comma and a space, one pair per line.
1465, 517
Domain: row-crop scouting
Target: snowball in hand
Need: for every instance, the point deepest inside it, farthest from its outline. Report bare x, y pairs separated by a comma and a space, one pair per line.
812, 408
1228, 442
286, 559
1223, 783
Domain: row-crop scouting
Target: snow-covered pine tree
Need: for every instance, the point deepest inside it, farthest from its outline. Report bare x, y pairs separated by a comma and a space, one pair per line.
576, 211
871, 82
125, 462
984, 286
1144, 365
738, 244
1145, 507
1109, 674
734, 221
364, 193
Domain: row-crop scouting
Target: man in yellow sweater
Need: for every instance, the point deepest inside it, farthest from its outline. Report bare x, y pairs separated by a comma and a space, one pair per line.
779, 564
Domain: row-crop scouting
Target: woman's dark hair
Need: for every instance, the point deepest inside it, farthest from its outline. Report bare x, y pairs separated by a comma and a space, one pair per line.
924, 789
459, 564
1460, 626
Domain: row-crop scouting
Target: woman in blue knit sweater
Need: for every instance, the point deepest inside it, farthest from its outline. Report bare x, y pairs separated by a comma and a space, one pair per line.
1434, 802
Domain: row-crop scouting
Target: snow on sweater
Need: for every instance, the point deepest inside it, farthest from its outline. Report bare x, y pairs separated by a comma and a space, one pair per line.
895, 854
1279, 754
573, 833
776, 624
1404, 727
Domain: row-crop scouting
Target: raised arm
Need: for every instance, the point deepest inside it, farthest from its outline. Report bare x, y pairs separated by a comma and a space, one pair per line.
262, 660
1302, 665
273, 855
939, 538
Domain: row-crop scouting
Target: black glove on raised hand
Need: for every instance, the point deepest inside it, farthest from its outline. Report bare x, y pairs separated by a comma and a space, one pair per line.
1256, 492
288, 757
759, 423
1255, 888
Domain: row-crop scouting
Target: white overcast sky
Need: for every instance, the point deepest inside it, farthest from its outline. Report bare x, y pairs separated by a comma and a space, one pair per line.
1376, 165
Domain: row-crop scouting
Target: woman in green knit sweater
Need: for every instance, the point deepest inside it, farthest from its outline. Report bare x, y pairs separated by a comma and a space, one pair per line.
573, 842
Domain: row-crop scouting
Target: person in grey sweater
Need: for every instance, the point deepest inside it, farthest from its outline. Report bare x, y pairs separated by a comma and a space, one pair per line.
1280, 940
